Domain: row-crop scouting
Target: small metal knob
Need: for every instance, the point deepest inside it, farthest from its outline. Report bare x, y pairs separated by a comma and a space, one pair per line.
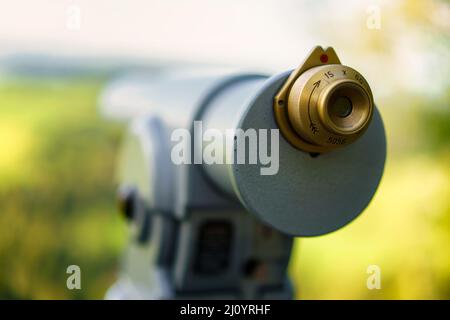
126, 202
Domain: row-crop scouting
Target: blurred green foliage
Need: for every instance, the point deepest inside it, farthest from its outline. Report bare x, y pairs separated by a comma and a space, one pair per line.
57, 204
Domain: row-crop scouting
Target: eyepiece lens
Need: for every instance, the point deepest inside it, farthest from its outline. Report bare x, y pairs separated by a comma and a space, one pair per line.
342, 107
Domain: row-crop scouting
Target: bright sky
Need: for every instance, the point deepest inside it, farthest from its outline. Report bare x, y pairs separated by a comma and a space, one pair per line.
267, 34
253, 31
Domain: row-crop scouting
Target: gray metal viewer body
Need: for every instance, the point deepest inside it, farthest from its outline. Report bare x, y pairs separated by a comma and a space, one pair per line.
225, 230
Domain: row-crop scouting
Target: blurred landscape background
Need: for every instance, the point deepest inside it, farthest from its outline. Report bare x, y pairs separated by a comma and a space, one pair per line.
58, 155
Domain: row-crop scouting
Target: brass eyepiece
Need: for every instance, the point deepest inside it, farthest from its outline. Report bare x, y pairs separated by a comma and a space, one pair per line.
323, 106
344, 107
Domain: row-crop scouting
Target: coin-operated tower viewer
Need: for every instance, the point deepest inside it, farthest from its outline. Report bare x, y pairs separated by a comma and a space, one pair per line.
224, 230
